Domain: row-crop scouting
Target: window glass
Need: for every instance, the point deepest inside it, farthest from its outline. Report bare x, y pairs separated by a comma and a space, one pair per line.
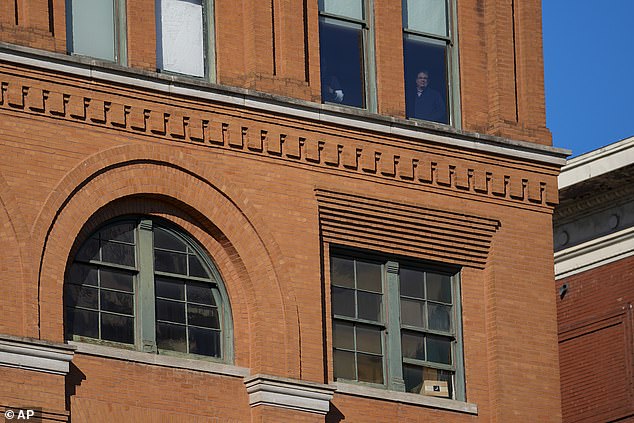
342, 62
93, 28
129, 266
428, 16
425, 79
348, 8
427, 45
180, 32
418, 346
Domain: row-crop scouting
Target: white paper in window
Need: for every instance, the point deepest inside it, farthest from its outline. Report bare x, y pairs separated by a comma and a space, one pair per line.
93, 28
182, 37
348, 8
428, 16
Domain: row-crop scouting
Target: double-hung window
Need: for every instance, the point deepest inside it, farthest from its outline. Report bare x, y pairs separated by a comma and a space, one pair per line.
140, 284
344, 40
396, 325
185, 37
429, 60
97, 28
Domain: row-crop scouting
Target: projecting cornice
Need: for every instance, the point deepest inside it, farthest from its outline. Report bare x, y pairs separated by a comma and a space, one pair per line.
370, 146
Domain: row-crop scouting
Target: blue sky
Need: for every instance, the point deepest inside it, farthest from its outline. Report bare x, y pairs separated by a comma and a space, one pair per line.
589, 70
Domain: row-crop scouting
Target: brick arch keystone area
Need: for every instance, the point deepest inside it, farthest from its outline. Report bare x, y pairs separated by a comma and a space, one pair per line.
176, 177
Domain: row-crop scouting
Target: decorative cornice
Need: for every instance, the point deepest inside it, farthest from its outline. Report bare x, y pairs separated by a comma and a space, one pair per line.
594, 253
363, 145
402, 228
34, 354
289, 393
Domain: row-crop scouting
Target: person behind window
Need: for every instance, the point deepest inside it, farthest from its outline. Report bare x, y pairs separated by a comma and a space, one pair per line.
331, 90
426, 102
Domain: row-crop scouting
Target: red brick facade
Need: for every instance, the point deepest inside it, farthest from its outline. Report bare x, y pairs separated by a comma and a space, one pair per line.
244, 171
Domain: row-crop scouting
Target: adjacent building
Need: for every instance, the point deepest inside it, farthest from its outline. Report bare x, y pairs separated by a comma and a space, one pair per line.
276, 211
594, 269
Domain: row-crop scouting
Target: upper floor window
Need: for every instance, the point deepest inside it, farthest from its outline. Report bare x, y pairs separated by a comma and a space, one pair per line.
427, 44
184, 42
397, 325
96, 28
143, 285
343, 42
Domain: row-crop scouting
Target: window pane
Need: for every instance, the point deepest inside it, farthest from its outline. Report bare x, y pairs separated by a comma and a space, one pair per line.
164, 239
439, 287
413, 345
425, 63
428, 16
200, 293
369, 276
196, 268
170, 289
181, 36
89, 251
342, 69
412, 312
439, 317
343, 335
436, 375
369, 306
348, 8
117, 328
82, 296
342, 302
93, 28
412, 283
123, 232
117, 302
370, 368
203, 316
171, 337
438, 349
204, 342
170, 310
413, 376
82, 323
342, 272
117, 253
344, 365
165, 261
115, 280
83, 274
369, 340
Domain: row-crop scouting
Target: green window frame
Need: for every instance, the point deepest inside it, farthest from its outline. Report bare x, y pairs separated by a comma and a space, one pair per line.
396, 324
144, 284
97, 29
430, 45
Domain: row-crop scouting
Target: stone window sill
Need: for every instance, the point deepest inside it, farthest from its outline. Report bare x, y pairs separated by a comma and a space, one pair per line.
159, 360
406, 398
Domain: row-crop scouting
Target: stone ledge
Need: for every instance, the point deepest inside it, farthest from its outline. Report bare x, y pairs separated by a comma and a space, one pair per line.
406, 398
35, 354
289, 393
159, 360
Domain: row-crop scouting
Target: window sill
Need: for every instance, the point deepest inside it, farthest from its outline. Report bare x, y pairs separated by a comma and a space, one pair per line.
406, 398
159, 360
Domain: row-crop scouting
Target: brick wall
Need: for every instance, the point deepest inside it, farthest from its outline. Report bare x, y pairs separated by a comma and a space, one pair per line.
596, 343
501, 64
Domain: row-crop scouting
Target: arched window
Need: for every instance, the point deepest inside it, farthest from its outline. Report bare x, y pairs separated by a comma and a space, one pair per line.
143, 284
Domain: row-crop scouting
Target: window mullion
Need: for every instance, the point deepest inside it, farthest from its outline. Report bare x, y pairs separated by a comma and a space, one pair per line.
395, 369
145, 295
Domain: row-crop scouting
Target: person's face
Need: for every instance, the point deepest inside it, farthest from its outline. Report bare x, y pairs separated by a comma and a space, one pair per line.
421, 80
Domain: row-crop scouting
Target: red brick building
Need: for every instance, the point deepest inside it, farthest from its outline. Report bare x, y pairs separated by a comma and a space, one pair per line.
234, 211
594, 270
